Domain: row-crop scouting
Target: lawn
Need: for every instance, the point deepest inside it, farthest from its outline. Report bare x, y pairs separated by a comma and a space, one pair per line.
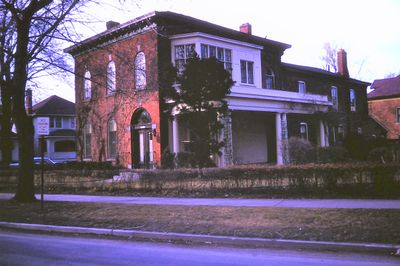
344, 225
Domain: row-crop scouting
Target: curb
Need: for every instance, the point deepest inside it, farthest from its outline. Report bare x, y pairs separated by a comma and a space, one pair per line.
211, 239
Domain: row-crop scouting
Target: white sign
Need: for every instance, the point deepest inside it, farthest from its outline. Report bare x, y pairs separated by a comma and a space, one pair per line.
43, 124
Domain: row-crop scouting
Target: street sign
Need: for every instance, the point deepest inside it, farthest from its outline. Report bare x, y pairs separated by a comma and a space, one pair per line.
43, 124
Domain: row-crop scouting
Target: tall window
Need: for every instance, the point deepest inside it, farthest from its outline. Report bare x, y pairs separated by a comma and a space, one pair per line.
302, 87
269, 79
112, 138
246, 70
140, 71
87, 141
352, 100
182, 54
87, 86
304, 131
398, 114
335, 103
222, 54
111, 78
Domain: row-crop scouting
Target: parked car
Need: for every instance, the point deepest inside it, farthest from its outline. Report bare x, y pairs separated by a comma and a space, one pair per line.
37, 161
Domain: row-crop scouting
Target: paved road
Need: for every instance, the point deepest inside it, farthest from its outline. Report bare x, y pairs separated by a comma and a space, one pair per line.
287, 203
34, 249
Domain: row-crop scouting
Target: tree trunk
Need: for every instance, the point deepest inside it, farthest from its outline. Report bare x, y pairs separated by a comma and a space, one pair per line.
23, 122
5, 134
25, 189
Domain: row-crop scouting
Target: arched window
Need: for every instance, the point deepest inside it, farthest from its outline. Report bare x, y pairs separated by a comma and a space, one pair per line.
87, 141
111, 78
87, 85
140, 71
112, 139
269, 79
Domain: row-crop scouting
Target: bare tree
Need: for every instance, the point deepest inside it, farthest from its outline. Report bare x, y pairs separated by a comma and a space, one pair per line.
330, 57
33, 29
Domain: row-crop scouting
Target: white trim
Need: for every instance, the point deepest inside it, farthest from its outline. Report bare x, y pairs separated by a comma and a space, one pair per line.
216, 38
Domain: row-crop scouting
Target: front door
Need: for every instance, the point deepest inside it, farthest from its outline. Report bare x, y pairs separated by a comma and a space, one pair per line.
142, 140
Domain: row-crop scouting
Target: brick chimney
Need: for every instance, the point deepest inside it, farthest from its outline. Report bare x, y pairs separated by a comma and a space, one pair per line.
342, 63
28, 101
246, 28
111, 24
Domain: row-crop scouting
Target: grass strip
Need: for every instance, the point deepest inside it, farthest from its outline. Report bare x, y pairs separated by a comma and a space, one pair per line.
343, 225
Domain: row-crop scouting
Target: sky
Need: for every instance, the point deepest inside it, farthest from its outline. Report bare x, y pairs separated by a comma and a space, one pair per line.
368, 30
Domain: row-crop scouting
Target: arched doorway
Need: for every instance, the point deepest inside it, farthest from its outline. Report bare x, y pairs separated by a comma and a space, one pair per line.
141, 140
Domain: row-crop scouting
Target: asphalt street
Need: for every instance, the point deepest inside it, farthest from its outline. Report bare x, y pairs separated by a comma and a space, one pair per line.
283, 203
18, 248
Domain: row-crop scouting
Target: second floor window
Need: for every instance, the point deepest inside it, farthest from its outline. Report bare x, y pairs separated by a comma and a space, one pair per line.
87, 86
398, 114
110, 78
182, 54
269, 79
55, 122
334, 97
223, 55
140, 71
352, 100
246, 70
302, 87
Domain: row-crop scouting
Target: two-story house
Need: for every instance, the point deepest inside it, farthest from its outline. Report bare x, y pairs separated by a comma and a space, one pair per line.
384, 105
119, 76
60, 143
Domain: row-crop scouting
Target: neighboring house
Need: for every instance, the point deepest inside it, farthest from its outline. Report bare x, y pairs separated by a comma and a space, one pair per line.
384, 105
14, 150
60, 143
120, 72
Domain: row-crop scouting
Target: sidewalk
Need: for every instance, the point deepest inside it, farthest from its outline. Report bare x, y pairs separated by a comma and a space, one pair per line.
281, 203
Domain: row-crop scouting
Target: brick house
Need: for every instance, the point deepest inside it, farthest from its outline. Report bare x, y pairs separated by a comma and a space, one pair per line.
119, 74
384, 105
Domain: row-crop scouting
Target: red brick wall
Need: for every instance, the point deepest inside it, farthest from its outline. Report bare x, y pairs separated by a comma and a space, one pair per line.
385, 112
125, 101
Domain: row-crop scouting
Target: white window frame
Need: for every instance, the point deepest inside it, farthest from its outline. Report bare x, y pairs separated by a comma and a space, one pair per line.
87, 131
305, 126
53, 122
87, 85
111, 127
189, 50
334, 97
352, 100
223, 55
301, 87
140, 71
269, 79
111, 78
247, 76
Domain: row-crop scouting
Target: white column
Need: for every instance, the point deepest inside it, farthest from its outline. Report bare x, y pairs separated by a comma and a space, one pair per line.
175, 135
278, 124
322, 137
